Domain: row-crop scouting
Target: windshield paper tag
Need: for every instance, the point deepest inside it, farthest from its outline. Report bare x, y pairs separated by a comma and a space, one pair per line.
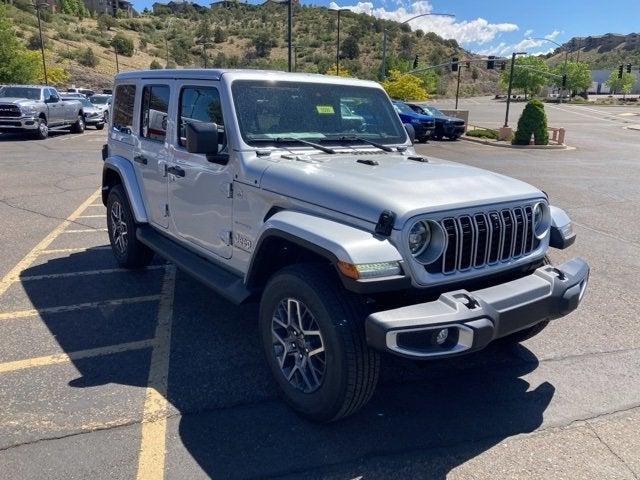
325, 109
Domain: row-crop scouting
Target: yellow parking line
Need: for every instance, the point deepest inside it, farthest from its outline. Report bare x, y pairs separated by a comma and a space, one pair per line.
77, 306
86, 230
96, 205
82, 273
75, 249
151, 457
67, 357
102, 215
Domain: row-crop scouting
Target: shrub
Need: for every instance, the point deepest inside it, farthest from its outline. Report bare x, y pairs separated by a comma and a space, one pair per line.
88, 58
155, 65
34, 42
532, 121
483, 133
123, 45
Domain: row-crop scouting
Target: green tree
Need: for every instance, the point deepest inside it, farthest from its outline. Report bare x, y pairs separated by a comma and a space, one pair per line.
34, 42
122, 44
350, 48
204, 33
17, 64
106, 22
529, 75
263, 42
533, 121
578, 76
155, 65
219, 36
404, 86
620, 85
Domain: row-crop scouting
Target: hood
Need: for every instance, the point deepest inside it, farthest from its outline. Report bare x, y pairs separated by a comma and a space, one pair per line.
406, 187
16, 101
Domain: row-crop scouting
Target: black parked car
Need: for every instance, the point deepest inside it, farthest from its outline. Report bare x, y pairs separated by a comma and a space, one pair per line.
446, 126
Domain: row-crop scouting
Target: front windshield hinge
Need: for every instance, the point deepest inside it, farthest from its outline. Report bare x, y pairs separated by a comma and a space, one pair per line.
229, 190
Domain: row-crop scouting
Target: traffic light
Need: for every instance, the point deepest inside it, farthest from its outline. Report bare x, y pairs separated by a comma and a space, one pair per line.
491, 64
620, 70
415, 62
628, 68
564, 80
454, 64
503, 65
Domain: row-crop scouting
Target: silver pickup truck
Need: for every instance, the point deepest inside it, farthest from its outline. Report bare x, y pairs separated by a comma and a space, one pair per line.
266, 188
36, 109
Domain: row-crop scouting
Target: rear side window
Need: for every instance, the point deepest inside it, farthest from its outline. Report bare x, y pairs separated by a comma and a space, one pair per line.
155, 105
199, 104
122, 117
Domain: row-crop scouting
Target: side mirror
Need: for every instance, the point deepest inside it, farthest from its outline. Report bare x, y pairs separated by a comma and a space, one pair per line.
204, 138
411, 132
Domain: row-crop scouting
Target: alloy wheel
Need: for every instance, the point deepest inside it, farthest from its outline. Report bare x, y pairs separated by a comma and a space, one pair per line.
298, 345
118, 227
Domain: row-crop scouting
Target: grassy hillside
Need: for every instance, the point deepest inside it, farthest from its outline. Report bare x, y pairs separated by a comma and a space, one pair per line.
242, 36
603, 51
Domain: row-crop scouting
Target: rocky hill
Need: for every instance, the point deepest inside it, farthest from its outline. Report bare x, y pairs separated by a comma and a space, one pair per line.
233, 34
601, 51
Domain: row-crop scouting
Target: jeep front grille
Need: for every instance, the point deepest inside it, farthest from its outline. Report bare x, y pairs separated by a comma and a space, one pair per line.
481, 239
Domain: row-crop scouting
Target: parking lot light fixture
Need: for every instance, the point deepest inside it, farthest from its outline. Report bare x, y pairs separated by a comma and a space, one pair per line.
513, 63
38, 5
383, 68
289, 4
338, 38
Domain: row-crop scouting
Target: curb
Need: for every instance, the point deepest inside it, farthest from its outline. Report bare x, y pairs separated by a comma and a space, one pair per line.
494, 143
632, 127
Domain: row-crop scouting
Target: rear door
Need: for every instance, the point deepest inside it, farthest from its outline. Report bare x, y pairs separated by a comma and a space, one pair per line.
152, 151
200, 193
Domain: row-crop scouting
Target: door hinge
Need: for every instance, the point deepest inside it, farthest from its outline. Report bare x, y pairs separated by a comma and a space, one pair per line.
229, 190
227, 237
166, 210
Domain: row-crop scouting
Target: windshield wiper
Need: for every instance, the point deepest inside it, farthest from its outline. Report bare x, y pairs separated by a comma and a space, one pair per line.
386, 148
305, 142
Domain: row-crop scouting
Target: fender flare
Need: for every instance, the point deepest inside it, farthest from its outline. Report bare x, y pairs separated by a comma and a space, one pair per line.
561, 230
124, 169
330, 239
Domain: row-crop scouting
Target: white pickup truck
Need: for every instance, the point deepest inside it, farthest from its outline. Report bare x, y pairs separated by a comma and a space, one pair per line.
36, 109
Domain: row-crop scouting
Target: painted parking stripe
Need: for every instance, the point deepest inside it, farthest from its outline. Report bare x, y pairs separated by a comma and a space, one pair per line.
151, 459
101, 215
78, 306
86, 230
75, 249
68, 357
82, 273
30, 257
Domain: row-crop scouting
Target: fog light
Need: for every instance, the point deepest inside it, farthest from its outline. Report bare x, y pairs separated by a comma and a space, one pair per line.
442, 336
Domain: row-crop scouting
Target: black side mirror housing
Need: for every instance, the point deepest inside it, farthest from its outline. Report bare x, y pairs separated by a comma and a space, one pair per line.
202, 137
411, 132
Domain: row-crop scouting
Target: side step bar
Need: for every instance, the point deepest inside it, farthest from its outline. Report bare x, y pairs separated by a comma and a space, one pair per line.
223, 282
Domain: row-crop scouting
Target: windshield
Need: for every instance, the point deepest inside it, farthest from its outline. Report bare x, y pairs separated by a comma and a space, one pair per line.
270, 111
403, 108
433, 111
20, 92
99, 100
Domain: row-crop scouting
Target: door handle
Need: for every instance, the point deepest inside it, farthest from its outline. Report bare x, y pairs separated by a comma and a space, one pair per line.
175, 170
140, 159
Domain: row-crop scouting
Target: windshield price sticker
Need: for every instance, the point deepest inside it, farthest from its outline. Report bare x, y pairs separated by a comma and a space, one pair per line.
325, 109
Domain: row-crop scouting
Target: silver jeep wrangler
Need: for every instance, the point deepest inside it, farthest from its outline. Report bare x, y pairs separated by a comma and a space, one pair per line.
304, 192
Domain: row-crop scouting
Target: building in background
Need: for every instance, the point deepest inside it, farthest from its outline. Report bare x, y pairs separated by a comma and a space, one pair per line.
599, 77
110, 7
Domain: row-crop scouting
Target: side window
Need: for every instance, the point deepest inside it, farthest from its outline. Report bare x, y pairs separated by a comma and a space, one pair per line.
155, 105
200, 104
122, 117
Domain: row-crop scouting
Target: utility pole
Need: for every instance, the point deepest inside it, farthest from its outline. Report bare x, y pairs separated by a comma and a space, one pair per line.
513, 64
289, 30
37, 6
338, 41
458, 86
115, 49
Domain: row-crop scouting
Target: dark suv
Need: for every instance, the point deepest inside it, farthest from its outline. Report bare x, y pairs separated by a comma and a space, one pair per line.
446, 126
423, 124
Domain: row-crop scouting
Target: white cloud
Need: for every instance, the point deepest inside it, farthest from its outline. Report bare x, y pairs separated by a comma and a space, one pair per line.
528, 33
530, 45
478, 31
552, 35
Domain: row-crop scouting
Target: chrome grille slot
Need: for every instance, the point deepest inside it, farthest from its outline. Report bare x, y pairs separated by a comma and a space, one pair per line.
10, 111
485, 238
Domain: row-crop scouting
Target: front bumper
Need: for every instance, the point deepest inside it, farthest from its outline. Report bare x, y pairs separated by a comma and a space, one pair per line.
451, 129
18, 123
93, 120
474, 319
424, 129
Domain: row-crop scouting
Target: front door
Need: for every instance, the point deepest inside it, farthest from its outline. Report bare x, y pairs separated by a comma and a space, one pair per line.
56, 109
152, 152
199, 190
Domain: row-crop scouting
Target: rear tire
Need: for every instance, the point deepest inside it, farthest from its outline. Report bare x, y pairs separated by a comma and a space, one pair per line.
128, 250
305, 310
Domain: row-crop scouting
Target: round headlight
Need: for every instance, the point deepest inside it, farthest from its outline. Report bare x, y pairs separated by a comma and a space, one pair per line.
419, 238
541, 220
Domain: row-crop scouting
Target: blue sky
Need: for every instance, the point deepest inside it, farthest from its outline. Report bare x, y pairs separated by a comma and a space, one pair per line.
500, 27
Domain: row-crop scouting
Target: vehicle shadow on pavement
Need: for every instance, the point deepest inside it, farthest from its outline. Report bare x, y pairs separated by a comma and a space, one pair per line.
422, 422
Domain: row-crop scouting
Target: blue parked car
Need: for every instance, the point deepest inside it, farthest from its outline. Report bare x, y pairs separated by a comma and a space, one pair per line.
423, 124
446, 126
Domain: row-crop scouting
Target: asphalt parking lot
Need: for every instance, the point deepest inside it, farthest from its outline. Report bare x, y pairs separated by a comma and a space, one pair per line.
148, 375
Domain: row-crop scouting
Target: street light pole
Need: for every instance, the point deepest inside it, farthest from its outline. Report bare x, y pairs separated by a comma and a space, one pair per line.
383, 69
289, 27
115, 49
458, 86
37, 6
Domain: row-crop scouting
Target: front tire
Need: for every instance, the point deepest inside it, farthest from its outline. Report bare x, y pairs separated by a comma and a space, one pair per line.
78, 126
42, 132
99, 126
313, 336
128, 250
